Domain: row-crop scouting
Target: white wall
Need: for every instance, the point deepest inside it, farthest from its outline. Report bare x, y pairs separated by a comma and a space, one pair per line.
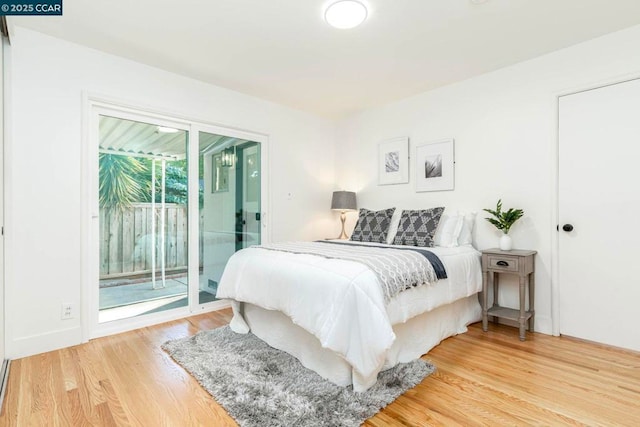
2, 299
43, 197
504, 125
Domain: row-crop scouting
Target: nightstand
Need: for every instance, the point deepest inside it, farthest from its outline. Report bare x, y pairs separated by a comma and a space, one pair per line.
520, 263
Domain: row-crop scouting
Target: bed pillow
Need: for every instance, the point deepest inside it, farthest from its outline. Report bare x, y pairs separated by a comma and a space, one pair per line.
448, 230
393, 227
417, 227
372, 226
466, 233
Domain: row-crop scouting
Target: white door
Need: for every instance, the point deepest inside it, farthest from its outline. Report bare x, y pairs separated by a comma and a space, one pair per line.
599, 196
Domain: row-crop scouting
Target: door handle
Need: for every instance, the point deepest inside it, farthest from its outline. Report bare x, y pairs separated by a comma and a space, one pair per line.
568, 228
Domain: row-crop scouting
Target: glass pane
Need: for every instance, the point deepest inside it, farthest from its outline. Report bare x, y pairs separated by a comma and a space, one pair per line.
229, 176
143, 218
249, 154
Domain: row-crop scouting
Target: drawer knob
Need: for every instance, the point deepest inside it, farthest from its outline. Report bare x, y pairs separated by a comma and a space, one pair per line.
503, 263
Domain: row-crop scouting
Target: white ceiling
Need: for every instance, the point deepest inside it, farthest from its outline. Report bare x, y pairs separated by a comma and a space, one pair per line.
283, 51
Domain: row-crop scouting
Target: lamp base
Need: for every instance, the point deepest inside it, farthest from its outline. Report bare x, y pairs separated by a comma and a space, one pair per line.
343, 235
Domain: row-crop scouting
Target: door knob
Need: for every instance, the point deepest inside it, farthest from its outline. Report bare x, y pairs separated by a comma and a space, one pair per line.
567, 227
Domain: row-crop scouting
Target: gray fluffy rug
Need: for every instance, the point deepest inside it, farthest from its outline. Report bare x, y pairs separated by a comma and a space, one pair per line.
261, 386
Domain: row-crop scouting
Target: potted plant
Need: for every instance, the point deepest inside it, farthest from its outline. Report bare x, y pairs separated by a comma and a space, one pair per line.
503, 220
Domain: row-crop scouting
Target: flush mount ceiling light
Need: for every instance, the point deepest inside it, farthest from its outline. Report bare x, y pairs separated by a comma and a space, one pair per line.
345, 14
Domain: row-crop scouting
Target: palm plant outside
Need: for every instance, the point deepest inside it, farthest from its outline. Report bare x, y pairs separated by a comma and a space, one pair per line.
119, 184
125, 180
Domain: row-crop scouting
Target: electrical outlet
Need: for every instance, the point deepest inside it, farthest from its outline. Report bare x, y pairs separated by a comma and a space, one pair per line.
68, 311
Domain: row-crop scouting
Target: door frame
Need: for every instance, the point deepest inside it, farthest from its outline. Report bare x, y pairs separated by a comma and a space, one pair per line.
93, 105
555, 182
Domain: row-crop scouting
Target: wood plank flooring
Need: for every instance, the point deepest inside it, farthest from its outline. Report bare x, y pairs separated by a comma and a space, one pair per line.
481, 379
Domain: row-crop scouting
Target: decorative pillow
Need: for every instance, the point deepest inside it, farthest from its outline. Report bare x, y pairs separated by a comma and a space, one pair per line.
417, 228
393, 227
448, 230
372, 226
466, 236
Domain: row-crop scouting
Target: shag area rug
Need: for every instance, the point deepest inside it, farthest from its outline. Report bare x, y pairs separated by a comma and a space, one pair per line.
261, 386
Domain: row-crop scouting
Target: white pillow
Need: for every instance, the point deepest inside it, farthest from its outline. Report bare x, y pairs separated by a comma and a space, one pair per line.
448, 230
393, 226
466, 234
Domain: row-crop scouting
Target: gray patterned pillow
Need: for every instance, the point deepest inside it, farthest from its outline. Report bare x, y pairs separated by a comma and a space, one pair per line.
372, 226
417, 228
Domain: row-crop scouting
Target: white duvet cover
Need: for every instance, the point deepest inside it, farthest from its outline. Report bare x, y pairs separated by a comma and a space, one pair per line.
340, 302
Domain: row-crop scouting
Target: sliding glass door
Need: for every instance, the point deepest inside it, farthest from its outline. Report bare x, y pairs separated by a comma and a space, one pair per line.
171, 202
143, 213
230, 210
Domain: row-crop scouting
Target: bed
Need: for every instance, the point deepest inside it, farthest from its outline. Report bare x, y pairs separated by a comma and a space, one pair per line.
332, 315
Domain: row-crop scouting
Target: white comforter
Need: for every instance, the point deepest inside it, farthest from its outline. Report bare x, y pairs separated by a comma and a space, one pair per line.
340, 302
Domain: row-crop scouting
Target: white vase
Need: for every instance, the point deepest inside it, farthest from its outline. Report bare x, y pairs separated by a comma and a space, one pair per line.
505, 242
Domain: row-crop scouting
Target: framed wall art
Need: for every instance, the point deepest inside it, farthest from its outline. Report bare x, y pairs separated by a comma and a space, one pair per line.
393, 161
435, 166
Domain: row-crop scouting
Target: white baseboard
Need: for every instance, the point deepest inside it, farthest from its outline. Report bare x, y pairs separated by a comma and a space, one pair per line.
42, 343
544, 325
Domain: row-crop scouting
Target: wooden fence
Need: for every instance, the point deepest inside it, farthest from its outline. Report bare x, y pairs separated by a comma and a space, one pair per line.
125, 240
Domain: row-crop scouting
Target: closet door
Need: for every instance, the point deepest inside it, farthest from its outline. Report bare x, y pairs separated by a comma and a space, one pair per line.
599, 211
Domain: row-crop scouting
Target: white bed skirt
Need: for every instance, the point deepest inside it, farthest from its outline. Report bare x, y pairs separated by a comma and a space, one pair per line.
413, 338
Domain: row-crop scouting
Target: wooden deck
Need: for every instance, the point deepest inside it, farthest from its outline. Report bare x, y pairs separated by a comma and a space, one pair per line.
482, 379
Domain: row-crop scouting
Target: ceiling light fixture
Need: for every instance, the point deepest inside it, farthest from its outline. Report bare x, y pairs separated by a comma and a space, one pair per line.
165, 129
345, 14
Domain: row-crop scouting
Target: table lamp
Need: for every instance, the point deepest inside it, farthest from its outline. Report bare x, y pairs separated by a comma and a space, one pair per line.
343, 201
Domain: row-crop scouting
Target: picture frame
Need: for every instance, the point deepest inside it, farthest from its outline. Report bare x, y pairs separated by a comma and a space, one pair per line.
435, 166
219, 175
393, 161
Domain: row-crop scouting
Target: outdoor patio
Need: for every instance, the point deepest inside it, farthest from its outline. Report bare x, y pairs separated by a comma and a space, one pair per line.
133, 297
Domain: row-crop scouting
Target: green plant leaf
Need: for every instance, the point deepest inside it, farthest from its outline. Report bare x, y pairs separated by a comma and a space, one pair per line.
118, 186
503, 220
495, 222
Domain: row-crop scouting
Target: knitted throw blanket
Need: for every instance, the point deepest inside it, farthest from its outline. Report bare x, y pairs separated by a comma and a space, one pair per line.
397, 269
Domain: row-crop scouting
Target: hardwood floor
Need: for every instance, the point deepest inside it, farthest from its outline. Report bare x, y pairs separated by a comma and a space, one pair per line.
481, 379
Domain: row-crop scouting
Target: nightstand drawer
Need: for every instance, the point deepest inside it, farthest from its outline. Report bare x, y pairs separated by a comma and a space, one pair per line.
504, 263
